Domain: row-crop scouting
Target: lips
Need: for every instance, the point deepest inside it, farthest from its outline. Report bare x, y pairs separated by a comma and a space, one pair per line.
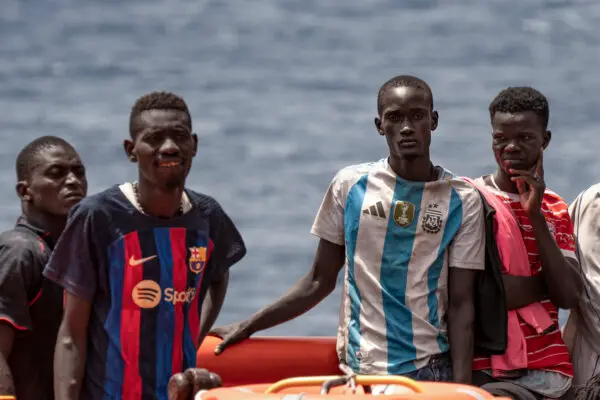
407, 143
169, 163
74, 196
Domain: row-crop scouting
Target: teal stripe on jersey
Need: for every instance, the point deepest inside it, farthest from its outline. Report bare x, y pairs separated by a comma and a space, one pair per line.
397, 251
352, 213
453, 222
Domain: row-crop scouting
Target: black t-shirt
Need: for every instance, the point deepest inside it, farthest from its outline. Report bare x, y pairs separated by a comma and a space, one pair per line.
146, 278
32, 305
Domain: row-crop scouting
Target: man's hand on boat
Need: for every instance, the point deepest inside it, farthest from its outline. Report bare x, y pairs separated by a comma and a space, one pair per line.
230, 334
185, 385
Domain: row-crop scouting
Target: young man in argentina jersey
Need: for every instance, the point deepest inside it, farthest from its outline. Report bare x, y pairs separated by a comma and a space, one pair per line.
136, 262
411, 236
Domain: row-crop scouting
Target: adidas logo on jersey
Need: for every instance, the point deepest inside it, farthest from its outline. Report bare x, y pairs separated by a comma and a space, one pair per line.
375, 210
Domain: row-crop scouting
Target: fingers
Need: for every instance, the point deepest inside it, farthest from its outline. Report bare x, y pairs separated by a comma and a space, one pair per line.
540, 164
530, 180
202, 379
221, 346
179, 388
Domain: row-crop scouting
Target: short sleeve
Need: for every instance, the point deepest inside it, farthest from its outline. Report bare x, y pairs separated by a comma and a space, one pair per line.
329, 222
229, 247
563, 229
467, 248
19, 278
75, 259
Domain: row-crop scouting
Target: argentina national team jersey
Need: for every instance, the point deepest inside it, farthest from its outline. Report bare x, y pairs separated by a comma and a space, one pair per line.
400, 238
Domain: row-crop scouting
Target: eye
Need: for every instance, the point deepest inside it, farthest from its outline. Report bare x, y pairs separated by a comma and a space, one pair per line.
418, 115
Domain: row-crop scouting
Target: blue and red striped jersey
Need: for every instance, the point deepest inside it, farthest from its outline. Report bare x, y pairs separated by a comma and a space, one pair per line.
146, 278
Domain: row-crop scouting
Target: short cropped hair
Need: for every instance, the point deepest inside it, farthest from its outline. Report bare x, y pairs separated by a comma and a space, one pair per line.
26, 157
402, 80
157, 101
521, 99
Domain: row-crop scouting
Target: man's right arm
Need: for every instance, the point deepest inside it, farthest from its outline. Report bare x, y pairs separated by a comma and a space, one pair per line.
306, 293
71, 345
74, 266
319, 282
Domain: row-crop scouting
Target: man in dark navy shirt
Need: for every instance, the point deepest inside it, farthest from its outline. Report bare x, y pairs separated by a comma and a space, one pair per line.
51, 179
137, 261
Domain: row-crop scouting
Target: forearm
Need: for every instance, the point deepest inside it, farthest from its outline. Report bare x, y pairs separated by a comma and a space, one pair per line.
460, 335
6, 381
304, 295
212, 306
562, 280
524, 290
69, 364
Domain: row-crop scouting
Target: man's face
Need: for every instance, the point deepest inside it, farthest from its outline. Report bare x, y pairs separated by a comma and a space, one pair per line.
406, 121
163, 147
518, 139
56, 182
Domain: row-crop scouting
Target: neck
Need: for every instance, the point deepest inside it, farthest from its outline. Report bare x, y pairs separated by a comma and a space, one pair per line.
419, 169
53, 224
504, 183
159, 202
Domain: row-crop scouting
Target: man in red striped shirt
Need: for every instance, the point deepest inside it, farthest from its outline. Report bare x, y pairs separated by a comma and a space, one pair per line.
519, 118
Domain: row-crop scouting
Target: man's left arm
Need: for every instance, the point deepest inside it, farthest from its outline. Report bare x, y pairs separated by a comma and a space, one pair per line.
560, 268
466, 260
213, 302
229, 248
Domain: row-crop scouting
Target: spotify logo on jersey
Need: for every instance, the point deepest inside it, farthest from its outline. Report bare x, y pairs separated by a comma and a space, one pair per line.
148, 294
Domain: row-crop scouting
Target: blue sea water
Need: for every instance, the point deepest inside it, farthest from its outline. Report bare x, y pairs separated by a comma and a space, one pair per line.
283, 95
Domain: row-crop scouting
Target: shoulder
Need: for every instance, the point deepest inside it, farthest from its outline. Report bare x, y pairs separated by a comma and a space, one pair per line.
204, 203
101, 203
554, 203
464, 191
589, 195
349, 176
15, 241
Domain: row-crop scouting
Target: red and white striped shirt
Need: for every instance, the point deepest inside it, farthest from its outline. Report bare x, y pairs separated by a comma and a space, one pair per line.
546, 351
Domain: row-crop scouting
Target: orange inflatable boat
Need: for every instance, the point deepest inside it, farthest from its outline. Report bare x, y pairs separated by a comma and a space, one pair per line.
302, 368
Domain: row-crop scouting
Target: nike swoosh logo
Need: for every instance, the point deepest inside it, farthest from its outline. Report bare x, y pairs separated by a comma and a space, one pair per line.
133, 262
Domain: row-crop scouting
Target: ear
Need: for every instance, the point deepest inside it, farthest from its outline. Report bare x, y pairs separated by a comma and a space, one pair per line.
128, 146
547, 137
434, 120
195, 138
378, 126
22, 189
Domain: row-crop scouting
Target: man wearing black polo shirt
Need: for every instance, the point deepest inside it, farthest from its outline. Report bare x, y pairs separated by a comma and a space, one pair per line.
51, 179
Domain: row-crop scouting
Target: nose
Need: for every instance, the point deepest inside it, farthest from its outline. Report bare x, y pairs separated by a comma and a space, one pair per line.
74, 181
512, 146
406, 129
169, 147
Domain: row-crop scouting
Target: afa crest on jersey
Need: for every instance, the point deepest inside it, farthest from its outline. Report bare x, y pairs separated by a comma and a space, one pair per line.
197, 259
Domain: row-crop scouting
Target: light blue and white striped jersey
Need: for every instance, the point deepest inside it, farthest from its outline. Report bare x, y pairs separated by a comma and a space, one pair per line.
400, 237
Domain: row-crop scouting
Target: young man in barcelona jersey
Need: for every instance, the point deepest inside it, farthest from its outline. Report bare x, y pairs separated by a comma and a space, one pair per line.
519, 119
411, 238
145, 268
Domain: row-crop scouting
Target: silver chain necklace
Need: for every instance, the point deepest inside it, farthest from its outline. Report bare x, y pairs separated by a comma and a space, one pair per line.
136, 193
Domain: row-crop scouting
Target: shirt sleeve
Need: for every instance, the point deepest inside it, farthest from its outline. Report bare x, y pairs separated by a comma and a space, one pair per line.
19, 278
75, 259
329, 222
229, 247
563, 230
467, 248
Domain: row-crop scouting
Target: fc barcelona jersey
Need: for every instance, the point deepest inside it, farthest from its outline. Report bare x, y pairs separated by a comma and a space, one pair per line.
146, 278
